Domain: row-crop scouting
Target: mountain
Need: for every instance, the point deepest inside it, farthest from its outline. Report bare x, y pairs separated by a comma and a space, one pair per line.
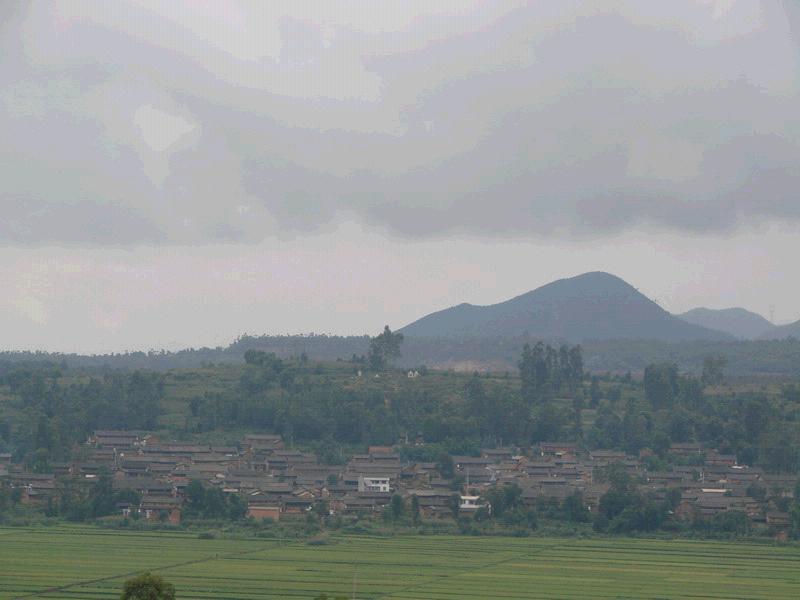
592, 306
738, 322
780, 332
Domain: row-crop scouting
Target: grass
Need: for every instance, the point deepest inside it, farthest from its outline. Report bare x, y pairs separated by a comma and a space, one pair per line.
85, 562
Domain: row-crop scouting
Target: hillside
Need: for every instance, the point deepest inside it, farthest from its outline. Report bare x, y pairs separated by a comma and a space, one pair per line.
592, 306
738, 322
783, 331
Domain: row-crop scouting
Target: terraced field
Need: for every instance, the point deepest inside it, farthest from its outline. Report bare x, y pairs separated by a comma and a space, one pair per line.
85, 562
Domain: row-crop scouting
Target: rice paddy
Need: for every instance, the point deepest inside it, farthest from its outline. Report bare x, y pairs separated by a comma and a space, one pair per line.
91, 563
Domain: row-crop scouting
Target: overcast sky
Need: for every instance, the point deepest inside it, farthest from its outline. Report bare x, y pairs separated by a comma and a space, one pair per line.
177, 173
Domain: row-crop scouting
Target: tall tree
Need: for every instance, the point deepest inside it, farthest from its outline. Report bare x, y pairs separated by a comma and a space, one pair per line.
384, 348
714, 370
661, 384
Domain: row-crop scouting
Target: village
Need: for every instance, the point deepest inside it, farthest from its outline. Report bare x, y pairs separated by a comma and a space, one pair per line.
277, 482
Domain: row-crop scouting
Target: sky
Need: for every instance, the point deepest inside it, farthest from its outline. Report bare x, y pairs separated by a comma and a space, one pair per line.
176, 174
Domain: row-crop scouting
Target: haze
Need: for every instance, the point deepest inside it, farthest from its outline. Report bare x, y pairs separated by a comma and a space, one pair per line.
175, 174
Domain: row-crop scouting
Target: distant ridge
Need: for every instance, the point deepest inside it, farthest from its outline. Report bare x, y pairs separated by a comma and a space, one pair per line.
738, 322
780, 332
592, 306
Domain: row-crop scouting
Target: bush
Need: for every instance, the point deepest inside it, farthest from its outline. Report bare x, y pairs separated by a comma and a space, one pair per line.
147, 587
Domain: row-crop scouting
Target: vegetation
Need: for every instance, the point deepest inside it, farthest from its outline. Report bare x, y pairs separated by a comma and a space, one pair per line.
383, 349
744, 358
335, 410
147, 587
88, 562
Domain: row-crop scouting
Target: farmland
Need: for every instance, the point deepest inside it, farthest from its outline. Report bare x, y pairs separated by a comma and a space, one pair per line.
87, 562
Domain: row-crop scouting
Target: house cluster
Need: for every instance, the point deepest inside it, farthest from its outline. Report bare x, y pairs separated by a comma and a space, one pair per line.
278, 482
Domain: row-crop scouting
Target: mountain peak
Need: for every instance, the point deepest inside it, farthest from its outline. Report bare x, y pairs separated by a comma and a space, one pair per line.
593, 305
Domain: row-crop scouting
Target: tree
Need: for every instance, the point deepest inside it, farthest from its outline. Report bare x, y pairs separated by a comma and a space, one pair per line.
398, 506
595, 393
544, 370
534, 372
384, 348
503, 498
454, 504
714, 370
147, 587
574, 508
102, 497
445, 466
661, 384
195, 497
237, 508
414, 509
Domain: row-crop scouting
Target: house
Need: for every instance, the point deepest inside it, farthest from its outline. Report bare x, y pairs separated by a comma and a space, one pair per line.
354, 503
432, 502
271, 494
259, 512
461, 462
103, 456
156, 508
606, 457
262, 442
778, 519
714, 458
498, 455
145, 486
373, 483
38, 492
685, 449
557, 449
470, 504
295, 505
119, 439
780, 485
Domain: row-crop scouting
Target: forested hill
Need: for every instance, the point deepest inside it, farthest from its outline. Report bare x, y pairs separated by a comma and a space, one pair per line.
745, 358
592, 306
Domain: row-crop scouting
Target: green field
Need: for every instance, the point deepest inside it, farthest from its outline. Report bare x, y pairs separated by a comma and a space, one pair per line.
85, 562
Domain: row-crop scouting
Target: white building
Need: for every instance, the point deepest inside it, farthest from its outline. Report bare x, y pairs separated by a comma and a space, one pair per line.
373, 483
470, 503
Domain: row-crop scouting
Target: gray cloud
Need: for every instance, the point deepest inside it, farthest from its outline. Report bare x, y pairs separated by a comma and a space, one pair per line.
149, 124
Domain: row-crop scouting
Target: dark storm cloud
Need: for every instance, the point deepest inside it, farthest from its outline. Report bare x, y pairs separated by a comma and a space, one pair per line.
138, 128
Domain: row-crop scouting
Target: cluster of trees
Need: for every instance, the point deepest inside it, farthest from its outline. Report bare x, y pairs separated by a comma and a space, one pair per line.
623, 509
383, 349
744, 358
305, 404
75, 499
213, 503
329, 409
664, 386
545, 371
55, 412
674, 408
